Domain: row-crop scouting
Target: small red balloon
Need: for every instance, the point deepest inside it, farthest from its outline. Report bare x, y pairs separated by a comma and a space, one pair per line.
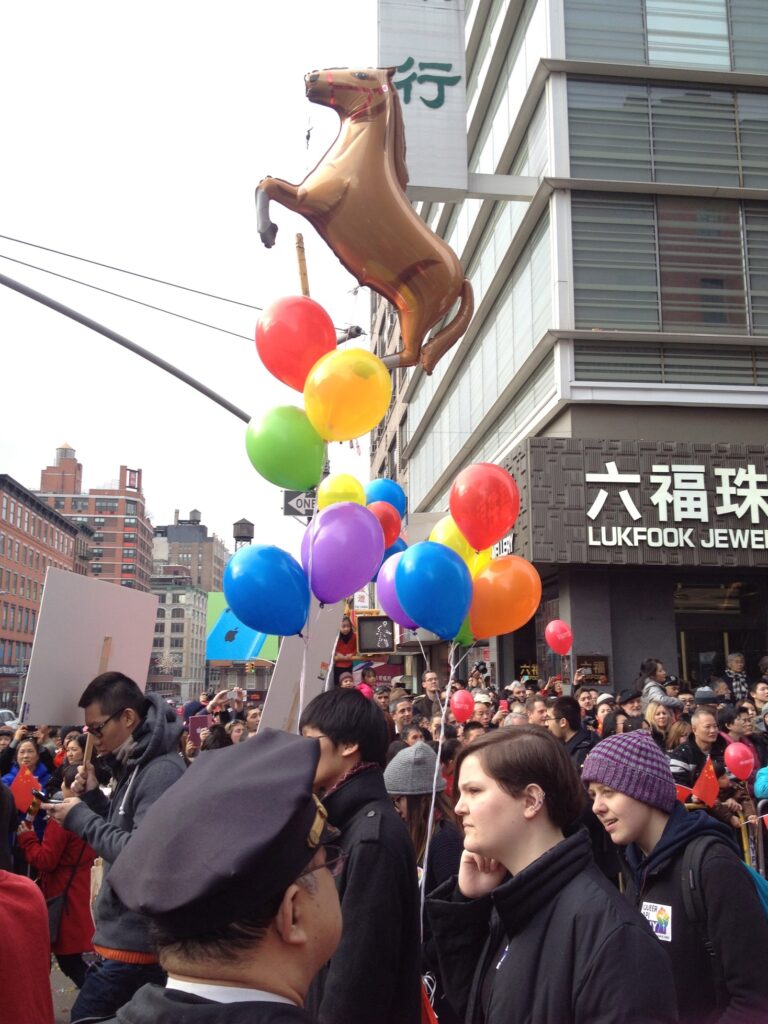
462, 705
485, 503
389, 518
559, 636
739, 760
291, 335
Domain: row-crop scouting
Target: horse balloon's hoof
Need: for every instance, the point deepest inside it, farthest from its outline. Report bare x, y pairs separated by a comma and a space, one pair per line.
268, 236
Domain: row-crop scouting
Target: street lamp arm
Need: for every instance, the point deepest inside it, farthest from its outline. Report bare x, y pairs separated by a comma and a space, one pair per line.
94, 325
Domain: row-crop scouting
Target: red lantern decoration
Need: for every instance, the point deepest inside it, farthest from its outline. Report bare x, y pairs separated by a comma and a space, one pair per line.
389, 519
484, 503
739, 760
291, 335
559, 636
462, 705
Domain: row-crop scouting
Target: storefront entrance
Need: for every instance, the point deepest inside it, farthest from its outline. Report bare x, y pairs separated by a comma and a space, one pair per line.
713, 620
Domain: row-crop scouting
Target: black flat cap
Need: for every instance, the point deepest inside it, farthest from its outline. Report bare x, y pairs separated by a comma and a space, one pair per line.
228, 838
627, 695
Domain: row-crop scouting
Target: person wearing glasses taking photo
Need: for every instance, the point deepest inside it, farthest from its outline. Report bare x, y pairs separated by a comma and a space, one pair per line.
137, 738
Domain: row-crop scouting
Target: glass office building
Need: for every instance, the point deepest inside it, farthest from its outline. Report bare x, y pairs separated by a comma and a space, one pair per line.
617, 362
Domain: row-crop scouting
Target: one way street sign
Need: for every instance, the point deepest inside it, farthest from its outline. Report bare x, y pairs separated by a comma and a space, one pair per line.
299, 503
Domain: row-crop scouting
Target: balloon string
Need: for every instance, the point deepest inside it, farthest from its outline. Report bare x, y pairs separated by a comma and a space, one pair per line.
436, 776
307, 633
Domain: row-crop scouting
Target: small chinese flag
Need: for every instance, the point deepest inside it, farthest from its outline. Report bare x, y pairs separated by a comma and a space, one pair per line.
683, 793
706, 788
22, 787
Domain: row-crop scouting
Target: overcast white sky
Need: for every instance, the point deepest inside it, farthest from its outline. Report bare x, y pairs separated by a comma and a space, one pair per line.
134, 134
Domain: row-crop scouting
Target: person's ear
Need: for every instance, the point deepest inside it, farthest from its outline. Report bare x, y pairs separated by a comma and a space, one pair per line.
533, 797
131, 718
289, 920
349, 749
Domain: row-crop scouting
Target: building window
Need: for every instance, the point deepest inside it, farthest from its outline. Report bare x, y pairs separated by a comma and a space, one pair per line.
177, 613
177, 627
719, 34
700, 265
175, 642
675, 133
705, 249
127, 567
129, 552
4, 507
159, 627
130, 521
161, 613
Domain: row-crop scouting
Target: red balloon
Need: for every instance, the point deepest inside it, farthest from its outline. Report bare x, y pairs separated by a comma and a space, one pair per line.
291, 335
559, 636
462, 705
484, 502
739, 760
389, 518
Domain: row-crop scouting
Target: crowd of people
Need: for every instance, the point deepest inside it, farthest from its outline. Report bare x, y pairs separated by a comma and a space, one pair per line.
546, 859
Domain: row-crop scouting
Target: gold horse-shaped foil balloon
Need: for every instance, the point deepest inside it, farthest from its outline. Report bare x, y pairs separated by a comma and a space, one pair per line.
355, 198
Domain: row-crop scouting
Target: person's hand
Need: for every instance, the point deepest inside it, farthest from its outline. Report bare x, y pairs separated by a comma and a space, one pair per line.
85, 780
21, 734
59, 811
500, 715
479, 876
733, 805
218, 701
24, 826
203, 734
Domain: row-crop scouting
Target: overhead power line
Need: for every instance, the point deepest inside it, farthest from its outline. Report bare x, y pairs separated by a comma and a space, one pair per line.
349, 332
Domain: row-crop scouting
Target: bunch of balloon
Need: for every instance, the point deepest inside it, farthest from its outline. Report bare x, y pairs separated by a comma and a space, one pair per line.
388, 502
346, 393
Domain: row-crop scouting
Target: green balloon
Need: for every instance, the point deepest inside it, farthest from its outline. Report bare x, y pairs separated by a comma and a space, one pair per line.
464, 637
285, 448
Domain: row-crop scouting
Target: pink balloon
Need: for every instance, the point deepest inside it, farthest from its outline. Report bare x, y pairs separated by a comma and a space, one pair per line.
739, 760
462, 705
559, 636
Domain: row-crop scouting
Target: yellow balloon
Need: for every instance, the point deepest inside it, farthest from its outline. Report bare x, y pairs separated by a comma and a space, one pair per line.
480, 559
340, 487
347, 393
446, 532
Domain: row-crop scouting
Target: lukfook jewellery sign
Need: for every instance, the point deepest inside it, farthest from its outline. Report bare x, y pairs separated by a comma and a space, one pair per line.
681, 497
602, 502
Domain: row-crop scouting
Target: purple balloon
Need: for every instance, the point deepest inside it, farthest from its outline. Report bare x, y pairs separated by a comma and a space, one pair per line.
347, 547
387, 595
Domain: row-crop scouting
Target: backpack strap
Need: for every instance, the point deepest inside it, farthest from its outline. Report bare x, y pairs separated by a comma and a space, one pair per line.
692, 891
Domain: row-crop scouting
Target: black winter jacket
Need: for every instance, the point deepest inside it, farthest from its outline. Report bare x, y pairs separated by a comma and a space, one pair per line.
155, 1005
555, 944
737, 926
374, 975
580, 744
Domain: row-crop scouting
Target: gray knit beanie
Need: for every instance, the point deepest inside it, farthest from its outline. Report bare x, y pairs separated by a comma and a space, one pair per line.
411, 772
633, 764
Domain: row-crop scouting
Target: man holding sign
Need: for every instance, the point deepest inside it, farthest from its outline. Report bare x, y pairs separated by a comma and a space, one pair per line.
137, 737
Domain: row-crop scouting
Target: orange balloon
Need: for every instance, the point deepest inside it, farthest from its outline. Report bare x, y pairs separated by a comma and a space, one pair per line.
505, 596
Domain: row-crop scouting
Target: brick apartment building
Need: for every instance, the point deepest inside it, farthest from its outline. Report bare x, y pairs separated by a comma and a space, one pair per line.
121, 548
33, 536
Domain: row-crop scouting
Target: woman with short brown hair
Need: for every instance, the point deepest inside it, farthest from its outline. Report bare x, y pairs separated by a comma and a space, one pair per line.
527, 882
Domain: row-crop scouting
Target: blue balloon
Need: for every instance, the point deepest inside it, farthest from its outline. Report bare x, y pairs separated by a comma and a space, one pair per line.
383, 489
434, 588
399, 545
267, 590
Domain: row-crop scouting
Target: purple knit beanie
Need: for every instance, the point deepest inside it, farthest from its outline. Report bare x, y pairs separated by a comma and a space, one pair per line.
633, 764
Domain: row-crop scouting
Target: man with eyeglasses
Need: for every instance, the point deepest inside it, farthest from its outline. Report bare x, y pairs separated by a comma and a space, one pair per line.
247, 914
136, 736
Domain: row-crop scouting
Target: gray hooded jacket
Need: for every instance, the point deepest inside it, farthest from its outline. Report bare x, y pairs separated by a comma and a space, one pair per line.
153, 765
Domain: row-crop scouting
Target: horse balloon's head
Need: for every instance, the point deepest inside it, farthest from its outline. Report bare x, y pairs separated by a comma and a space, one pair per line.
349, 90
